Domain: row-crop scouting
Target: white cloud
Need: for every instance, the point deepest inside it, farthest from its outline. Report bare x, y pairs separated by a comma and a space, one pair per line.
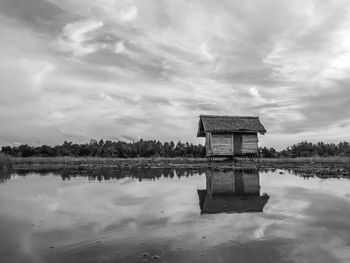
77, 31
338, 64
254, 92
40, 74
205, 51
119, 48
129, 14
75, 36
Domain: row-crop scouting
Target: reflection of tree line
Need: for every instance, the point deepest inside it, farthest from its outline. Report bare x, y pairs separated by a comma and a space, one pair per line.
4, 176
102, 174
311, 172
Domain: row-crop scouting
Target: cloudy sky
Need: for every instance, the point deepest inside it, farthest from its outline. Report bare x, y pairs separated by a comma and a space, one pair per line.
118, 69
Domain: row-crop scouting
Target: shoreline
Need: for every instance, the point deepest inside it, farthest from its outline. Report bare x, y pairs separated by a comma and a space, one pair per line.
329, 167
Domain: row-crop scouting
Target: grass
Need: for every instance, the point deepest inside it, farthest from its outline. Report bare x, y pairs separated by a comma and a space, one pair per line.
97, 160
309, 160
57, 163
67, 160
326, 166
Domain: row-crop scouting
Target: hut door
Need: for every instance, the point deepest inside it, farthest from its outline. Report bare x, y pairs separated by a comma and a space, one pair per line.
237, 143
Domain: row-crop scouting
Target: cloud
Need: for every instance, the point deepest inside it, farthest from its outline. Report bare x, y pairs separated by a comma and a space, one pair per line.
161, 64
129, 14
38, 77
75, 37
119, 47
76, 31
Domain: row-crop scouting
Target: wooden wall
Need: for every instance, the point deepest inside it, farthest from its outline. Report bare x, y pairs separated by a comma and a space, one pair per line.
221, 144
229, 144
249, 143
207, 144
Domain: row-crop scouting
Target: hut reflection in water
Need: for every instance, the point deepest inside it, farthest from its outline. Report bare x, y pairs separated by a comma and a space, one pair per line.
234, 191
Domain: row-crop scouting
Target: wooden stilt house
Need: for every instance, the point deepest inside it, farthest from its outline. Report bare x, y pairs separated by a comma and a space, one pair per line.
228, 136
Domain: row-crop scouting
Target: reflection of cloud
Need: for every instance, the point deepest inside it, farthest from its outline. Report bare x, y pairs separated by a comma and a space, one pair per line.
162, 211
299, 215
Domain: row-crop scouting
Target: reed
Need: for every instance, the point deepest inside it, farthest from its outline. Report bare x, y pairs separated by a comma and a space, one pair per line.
5, 167
5, 162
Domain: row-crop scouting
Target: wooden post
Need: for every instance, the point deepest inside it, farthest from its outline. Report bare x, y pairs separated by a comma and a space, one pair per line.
233, 148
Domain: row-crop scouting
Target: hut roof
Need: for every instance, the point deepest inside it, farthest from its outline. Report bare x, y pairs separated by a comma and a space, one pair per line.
228, 124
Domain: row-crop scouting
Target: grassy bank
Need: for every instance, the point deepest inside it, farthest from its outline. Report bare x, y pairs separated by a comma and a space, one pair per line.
91, 162
88, 162
320, 167
66, 160
309, 160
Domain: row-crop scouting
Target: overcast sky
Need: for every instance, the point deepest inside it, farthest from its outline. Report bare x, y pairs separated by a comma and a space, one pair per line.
114, 69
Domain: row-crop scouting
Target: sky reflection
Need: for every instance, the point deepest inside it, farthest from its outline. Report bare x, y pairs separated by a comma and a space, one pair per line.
47, 219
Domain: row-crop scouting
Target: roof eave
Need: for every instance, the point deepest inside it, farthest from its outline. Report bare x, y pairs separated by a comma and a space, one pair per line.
235, 131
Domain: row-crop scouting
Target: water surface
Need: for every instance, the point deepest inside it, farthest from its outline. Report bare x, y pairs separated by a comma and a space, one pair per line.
174, 216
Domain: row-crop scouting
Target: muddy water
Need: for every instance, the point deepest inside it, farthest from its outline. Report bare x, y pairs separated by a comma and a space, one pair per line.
174, 216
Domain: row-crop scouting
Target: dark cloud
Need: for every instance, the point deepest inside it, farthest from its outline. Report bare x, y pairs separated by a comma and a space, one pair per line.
38, 15
321, 110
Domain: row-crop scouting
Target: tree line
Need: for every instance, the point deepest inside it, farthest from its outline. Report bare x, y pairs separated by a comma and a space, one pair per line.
308, 149
153, 148
119, 149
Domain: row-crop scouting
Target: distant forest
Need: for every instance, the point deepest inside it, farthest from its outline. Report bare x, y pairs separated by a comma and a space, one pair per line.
153, 148
308, 149
119, 149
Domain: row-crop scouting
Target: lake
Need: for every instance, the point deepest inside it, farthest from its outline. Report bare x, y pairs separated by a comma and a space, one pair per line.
164, 215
